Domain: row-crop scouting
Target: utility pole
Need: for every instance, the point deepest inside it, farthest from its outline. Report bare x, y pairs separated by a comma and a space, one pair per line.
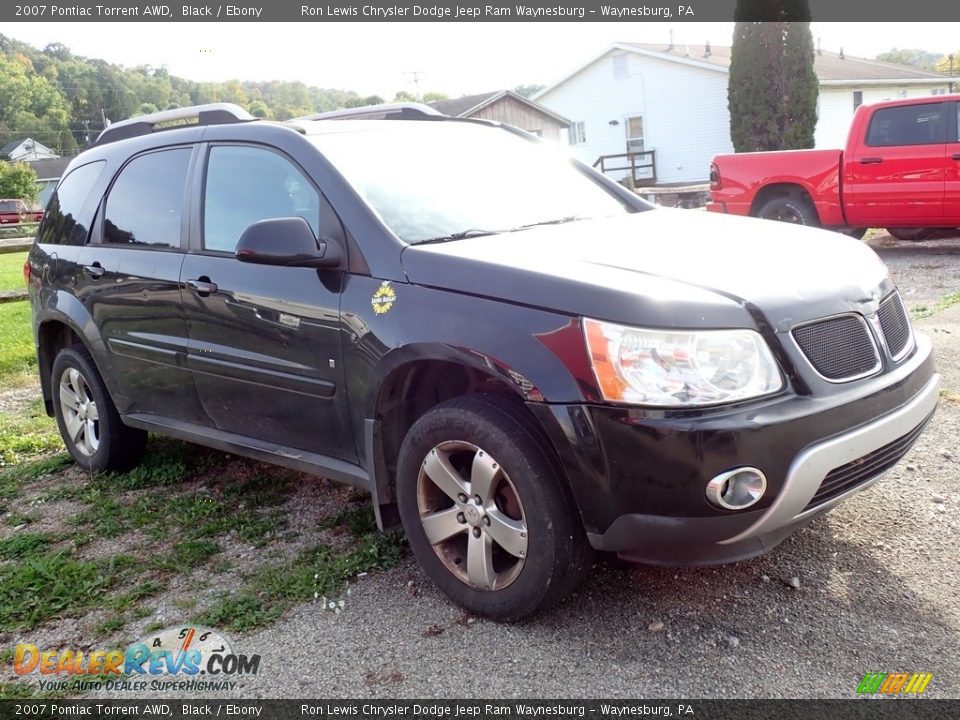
416, 81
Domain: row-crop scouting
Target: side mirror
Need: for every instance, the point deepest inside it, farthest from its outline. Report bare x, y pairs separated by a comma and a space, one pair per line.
289, 242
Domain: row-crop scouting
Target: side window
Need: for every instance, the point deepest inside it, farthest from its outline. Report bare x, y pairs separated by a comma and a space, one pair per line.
907, 125
248, 184
62, 224
145, 204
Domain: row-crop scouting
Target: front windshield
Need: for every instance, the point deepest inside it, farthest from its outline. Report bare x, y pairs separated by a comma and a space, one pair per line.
433, 180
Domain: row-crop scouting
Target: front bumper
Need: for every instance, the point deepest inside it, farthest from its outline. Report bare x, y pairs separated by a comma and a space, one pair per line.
639, 478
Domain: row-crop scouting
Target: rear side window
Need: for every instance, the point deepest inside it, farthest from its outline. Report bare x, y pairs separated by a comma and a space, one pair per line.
145, 204
907, 125
62, 221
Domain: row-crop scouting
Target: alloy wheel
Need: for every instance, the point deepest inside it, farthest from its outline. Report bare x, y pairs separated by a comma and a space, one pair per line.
80, 414
472, 515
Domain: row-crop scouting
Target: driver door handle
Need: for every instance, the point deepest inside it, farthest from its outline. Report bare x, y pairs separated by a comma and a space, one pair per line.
202, 286
871, 160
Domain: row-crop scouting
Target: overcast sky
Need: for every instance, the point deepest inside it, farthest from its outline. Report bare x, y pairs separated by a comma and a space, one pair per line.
455, 58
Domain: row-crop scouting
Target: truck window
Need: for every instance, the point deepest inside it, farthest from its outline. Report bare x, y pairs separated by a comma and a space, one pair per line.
907, 125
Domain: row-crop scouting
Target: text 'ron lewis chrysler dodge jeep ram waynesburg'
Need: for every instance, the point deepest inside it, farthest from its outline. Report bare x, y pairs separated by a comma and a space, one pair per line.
519, 359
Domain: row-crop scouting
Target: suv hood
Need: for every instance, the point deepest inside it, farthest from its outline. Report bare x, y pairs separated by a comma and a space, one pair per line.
663, 267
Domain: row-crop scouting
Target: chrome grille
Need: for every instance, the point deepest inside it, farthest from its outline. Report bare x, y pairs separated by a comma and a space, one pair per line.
895, 324
839, 348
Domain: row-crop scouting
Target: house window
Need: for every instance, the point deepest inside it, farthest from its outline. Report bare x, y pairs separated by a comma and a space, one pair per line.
634, 127
620, 68
857, 98
938, 91
578, 133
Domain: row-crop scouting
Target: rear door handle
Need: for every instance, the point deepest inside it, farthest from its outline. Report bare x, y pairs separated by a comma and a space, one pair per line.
202, 286
95, 271
955, 156
871, 161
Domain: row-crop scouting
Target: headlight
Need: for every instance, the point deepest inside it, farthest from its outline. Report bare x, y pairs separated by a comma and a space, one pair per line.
679, 369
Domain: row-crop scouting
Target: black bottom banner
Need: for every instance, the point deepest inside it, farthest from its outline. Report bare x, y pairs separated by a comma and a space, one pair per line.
862, 709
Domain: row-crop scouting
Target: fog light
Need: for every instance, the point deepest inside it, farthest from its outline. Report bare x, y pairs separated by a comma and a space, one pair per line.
737, 489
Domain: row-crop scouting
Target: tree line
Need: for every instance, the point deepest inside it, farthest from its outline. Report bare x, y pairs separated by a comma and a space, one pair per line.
63, 100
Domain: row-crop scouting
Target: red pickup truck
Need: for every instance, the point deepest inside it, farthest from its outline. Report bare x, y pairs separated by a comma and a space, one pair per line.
900, 170
14, 211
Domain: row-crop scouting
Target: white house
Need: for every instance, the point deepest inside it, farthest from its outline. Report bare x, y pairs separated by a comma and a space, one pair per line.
673, 100
26, 149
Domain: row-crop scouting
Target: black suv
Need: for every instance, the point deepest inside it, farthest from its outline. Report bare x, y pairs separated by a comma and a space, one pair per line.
519, 359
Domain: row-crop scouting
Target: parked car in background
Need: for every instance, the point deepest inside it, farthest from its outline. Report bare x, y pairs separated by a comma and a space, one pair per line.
900, 170
15, 211
520, 360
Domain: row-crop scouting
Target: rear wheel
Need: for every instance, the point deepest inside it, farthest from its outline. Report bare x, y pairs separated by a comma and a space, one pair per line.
789, 208
88, 420
912, 234
484, 511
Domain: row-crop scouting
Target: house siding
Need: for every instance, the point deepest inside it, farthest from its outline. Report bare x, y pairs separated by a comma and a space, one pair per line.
684, 112
511, 111
835, 107
684, 107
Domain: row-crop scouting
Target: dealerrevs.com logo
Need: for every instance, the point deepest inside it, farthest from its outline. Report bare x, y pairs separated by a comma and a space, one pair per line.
894, 683
172, 659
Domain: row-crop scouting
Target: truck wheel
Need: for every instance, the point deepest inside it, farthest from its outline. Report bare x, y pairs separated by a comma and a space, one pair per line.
855, 233
912, 234
88, 420
484, 511
791, 209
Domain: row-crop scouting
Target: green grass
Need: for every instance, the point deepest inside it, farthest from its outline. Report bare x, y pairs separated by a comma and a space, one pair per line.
321, 570
55, 585
17, 354
923, 311
29, 432
25, 545
11, 271
189, 504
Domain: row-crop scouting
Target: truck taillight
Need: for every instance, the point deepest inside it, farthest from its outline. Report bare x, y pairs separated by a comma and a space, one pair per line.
26, 272
714, 177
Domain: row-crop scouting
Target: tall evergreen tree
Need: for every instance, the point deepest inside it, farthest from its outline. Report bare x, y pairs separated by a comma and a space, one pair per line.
772, 91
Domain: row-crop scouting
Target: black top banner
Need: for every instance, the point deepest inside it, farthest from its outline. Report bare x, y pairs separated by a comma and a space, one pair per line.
470, 11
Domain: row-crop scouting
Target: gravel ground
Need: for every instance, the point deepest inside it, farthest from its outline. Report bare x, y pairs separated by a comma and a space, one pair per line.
871, 587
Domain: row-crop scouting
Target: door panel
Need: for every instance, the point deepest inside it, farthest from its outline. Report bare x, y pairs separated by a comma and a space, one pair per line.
131, 286
896, 175
264, 340
265, 352
951, 197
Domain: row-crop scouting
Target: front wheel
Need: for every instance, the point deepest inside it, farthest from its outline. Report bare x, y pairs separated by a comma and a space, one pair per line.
89, 423
914, 234
484, 511
791, 209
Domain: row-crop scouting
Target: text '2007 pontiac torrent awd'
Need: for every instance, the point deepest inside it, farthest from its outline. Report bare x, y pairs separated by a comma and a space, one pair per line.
519, 359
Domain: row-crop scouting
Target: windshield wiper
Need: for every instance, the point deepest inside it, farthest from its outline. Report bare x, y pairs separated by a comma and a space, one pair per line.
462, 235
558, 221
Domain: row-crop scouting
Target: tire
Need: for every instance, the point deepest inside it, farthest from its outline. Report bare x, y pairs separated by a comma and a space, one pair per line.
855, 233
89, 423
521, 548
791, 209
912, 234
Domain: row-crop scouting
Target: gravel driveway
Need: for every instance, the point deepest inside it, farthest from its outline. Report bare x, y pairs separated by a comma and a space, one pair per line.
872, 587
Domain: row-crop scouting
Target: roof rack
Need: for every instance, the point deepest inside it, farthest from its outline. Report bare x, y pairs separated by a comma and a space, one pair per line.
387, 111
210, 114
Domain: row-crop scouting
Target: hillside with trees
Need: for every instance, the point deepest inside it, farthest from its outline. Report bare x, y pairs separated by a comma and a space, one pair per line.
62, 100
